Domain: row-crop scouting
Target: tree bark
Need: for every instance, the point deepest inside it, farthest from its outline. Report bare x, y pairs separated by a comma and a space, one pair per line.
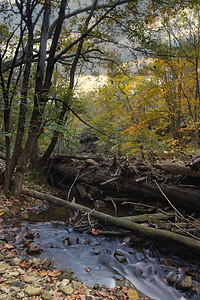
176, 168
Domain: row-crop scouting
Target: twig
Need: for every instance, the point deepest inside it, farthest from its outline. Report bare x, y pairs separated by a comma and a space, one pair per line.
110, 180
135, 203
88, 215
76, 178
188, 233
114, 204
176, 210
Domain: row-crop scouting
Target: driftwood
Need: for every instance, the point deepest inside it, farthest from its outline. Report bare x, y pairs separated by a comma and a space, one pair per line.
132, 226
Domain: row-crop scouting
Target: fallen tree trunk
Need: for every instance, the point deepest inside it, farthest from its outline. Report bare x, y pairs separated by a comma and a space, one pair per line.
139, 229
182, 197
177, 168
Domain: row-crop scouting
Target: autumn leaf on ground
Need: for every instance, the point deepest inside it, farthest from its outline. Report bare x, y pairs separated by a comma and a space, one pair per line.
24, 265
43, 273
8, 246
124, 290
51, 274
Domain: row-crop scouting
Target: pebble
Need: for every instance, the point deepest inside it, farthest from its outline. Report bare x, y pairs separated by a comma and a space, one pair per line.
185, 283
16, 261
172, 278
46, 295
66, 289
31, 279
31, 290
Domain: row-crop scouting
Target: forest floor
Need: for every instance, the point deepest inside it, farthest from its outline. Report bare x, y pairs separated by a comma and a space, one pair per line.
23, 276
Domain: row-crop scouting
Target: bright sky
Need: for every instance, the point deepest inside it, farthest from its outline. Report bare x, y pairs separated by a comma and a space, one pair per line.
88, 83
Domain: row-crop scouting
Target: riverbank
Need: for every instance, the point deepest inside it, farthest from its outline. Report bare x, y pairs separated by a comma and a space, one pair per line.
24, 276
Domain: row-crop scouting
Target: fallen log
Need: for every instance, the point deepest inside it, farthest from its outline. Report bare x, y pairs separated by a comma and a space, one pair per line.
149, 217
75, 171
139, 229
177, 168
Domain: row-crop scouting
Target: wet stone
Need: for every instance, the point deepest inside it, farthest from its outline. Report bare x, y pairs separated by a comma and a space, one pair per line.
76, 285
66, 289
66, 275
120, 259
96, 286
185, 283
34, 248
172, 278
30, 236
119, 256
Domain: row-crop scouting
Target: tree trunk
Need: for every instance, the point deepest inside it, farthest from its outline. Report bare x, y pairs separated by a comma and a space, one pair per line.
23, 105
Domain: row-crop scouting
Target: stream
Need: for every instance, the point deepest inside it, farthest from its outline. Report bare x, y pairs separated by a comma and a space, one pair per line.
93, 260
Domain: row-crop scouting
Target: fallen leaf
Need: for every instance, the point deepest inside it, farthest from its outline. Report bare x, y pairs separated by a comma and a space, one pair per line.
124, 290
95, 231
87, 269
167, 261
43, 273
51, 274
24, 265
8, 246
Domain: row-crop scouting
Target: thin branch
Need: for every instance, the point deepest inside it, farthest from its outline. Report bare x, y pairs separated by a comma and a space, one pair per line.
77, 116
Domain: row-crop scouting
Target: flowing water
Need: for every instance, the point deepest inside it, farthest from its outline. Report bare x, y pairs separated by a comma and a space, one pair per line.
93, 260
